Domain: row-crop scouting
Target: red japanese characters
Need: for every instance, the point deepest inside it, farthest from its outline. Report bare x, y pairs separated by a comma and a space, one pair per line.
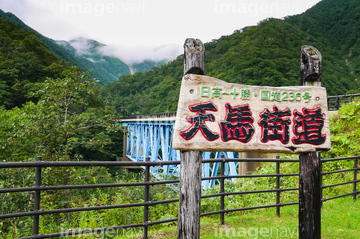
275, 125
238, 124
198, 121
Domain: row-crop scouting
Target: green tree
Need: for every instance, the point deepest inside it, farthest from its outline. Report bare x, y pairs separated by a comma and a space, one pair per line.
64, 117
68, 115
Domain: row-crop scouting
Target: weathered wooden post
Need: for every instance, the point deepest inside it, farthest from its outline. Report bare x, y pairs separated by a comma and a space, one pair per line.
310, 164
191, 168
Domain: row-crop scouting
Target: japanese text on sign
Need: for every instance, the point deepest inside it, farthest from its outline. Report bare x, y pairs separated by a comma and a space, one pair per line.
238, 124
217, 116
245, 94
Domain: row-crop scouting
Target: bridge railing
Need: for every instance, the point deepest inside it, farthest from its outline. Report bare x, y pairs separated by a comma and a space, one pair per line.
151, 116
38, 188
334, 102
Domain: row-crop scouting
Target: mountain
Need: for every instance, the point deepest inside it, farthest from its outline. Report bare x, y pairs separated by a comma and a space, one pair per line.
25, 62
336, 24
97, 71
89, 50
104, 56
87, 54
266, 54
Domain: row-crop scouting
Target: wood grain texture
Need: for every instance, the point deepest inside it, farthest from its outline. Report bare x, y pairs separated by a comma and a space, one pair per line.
311, 66
194, 57
310, 163
190, 195
191, 167
310, 196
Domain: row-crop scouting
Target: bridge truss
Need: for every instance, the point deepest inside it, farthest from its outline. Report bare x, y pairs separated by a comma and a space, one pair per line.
153, 139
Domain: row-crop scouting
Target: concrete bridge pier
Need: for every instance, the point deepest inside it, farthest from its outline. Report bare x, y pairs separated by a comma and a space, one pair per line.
246, 167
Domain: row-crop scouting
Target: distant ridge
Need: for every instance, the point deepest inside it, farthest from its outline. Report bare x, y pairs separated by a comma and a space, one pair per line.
102, 67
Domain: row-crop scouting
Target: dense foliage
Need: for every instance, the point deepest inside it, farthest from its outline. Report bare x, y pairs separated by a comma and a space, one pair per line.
68, 122
345, 131
266, 54
24, 62
154, 91
68, 116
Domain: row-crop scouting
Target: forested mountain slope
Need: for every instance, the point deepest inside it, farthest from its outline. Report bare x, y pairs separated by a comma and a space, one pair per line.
266, 54
104, 72
336, 24
106, 68
24, 62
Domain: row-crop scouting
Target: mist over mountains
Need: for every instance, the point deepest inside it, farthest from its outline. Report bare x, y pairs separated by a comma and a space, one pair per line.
104, 62
130, 55
137, 54
120, 60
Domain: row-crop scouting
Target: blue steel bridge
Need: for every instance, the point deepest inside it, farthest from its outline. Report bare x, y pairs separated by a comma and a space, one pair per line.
151, 136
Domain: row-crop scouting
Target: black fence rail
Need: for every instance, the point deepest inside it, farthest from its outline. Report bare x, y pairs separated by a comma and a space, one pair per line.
354, 182
334, 102
38, 188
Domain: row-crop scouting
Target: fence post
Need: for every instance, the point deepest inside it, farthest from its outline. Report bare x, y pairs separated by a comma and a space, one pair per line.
355, 176
337, 102
191, 167
321, 182
278, 186
37, 197
146, 199
222, 189
310, 172
328, 103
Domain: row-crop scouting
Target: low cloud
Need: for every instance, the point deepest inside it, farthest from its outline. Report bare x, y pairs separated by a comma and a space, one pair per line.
128, 54
136, 54
82, 45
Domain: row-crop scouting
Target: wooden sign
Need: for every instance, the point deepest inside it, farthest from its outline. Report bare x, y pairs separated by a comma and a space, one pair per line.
214, 115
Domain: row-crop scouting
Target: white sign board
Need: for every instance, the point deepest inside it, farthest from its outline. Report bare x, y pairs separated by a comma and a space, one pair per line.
214, 115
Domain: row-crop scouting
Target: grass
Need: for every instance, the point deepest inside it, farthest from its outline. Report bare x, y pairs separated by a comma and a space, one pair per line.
339, 219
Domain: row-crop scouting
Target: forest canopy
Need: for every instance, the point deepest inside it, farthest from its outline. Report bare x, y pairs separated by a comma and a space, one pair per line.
266, 54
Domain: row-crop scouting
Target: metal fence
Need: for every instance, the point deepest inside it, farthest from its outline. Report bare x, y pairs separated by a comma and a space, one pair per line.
38, 188
354, 169
334, 102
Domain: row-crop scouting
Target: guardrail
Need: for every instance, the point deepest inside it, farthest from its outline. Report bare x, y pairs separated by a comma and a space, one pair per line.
38, 188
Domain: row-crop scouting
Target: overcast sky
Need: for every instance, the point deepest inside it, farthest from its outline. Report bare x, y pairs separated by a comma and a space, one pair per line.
147, 22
